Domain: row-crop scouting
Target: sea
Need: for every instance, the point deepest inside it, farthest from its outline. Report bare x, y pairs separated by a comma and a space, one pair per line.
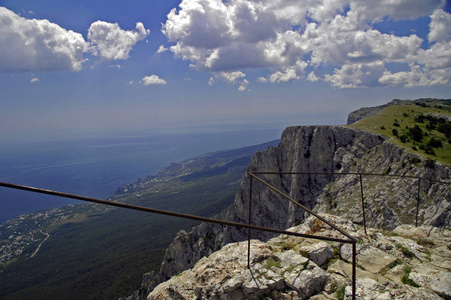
97, 166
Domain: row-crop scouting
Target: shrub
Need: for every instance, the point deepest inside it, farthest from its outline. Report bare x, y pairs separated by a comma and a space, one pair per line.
429, 163
435, 143
416, 133
395, 132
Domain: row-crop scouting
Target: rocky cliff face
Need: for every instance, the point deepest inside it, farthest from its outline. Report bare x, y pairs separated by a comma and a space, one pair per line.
408, 262
389, 201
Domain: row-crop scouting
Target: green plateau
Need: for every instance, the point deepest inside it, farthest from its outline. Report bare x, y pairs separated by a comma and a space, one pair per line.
419, 128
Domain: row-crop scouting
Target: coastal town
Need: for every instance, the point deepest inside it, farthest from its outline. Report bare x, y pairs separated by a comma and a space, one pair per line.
23, 236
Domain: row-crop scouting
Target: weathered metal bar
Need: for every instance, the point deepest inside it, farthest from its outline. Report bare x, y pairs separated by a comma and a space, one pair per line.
303, 207
363, 204
249, 230
354, 269
418, 202
353, 240
168, 213
350, 173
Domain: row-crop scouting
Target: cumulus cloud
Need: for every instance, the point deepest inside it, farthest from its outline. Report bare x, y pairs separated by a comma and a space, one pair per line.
312, 77
162, 49
113, 43
39, 45
34, 80
440, 26
289, 37
357, 75
152, 79
236, 77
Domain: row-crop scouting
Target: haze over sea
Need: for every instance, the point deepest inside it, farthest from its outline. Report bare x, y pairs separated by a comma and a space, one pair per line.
97, 166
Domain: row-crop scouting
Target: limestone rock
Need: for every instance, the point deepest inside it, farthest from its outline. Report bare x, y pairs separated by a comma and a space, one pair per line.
389, 202
280, 269
319, 253
437, 279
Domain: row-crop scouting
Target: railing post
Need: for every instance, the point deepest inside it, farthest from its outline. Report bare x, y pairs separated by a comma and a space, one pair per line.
354, 269
249, 230
418, 201
363, 203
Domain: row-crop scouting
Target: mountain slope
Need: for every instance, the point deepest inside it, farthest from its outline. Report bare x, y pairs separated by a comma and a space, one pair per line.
97, 252
389, 201
408, 262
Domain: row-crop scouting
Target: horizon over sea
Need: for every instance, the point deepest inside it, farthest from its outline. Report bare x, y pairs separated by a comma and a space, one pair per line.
98, 166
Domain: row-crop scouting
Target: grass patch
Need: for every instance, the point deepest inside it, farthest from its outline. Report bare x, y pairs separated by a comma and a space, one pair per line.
272, 262
417, 129
425, 242
397, 262
407, 253
286, 245
405, 278
340, 293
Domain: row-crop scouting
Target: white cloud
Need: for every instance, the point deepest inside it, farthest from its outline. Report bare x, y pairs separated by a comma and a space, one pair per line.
162, 49
312, 77
38, 45
289, 74
111, 42
357, 75
262, 80
231, 36
243, 85
34, 80
440, 26
417, 77
232, 78
152, 79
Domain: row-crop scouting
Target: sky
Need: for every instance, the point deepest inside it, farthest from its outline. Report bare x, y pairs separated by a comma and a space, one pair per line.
77, 66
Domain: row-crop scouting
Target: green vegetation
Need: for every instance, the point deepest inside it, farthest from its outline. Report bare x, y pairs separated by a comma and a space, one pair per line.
407, 253
405, 278
417, 128
340, 293
286, 245
395, 263
272, 262
101, 252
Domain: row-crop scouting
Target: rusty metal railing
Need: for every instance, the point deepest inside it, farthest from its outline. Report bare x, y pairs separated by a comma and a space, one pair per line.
351, 240
360, 175
249, 226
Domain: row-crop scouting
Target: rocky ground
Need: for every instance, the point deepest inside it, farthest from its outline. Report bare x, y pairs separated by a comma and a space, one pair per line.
405, 263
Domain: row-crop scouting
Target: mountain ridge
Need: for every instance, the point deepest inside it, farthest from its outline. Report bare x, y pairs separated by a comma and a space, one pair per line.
317, 149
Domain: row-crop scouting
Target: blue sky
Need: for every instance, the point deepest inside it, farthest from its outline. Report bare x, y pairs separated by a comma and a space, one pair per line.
72, 67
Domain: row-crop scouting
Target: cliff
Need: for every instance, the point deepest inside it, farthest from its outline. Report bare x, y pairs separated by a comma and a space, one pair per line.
389, 201
408, 262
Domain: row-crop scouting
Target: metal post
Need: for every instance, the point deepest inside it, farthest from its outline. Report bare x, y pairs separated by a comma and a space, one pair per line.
354, 271
418, 201
363, 204
249, 230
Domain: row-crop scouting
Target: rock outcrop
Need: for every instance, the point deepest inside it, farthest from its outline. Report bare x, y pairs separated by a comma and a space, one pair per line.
406, 263
389, 201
